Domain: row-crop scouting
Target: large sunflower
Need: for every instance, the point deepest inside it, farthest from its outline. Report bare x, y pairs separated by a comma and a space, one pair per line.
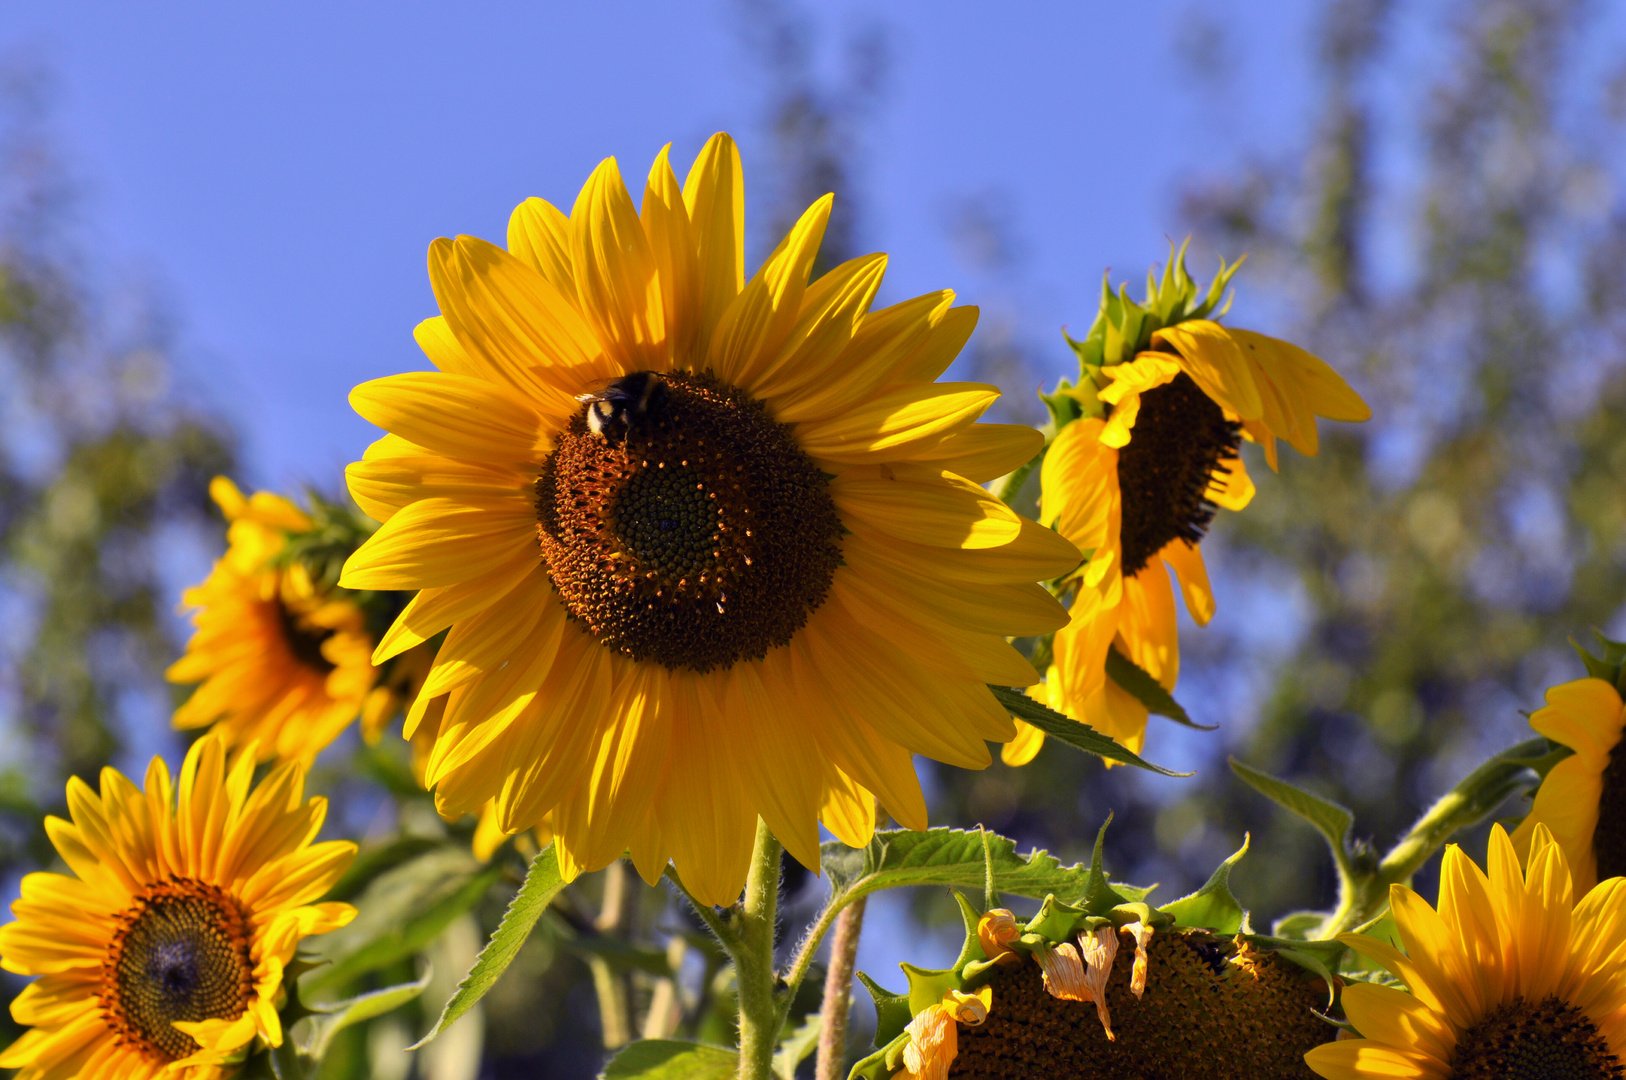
165, 951
1148, 450
1583, 799
283, 662
1510, 979
708, 548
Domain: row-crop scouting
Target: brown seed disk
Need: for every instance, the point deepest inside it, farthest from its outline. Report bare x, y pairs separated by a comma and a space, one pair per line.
692, 532
1180, 437
304, 642
1544, 1040
181, 952
1201, 1018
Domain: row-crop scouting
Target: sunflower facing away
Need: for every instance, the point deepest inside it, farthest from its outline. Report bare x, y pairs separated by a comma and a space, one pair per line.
1583, 799
283, 663
1147, 449
707, 548
165, 950
1511, 979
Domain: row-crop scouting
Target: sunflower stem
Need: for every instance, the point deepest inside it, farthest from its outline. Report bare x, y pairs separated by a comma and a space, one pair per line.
832, 1059
762, 1012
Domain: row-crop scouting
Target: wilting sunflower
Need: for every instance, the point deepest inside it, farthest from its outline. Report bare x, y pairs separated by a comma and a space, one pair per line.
1511, 979
1583, 799
166, 949
708, 548
283, 662
1147, 450
1117, 1002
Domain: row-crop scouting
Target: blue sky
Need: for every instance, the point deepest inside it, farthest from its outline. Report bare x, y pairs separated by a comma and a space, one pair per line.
279, 171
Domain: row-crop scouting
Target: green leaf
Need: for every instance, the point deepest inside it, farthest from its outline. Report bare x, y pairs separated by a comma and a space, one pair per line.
795, 1047
1299, 925
331, 1019
1140, 684
542, 884
401, 912
1212, 907
1099, 895
892, 1013
947, 857
1074, 733
671, 1059
1332, 821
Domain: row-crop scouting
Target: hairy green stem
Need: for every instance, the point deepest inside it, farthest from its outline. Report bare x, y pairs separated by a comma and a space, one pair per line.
762, 1013
832, 1059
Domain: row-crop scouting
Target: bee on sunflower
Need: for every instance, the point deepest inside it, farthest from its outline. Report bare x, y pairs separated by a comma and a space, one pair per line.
1511, 977
1146, 448
1582, 801
164, 951
705, 549
283, 657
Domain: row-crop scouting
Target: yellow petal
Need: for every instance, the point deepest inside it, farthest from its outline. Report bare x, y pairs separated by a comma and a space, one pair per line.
672, 246
912, 504
1026, 746
833, 308
1230, 486
617, 286
384, 485
441, 542
714, 194
898, 423
453, 415
984, 452
1187, 562
759, 322
539, 237
1215, 363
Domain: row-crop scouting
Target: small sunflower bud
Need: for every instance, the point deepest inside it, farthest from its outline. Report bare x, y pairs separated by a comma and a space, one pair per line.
1100, 949
995, 931
1064, 973
969, 1009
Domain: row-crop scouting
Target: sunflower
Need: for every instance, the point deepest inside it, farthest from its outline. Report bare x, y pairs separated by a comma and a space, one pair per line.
708, 549
283, 662
1510, 979
1583, 799
166, 949
1116, 1001
1147, 448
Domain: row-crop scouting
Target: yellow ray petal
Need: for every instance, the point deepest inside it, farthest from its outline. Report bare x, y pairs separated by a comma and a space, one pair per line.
617, 287
437, 542
1187, 562
1215, 363
759, 322
1037, 554
539, 237
984, 452
454, 415
833, 308
672, 246
714, 194
383, 486
899, 423
922, 506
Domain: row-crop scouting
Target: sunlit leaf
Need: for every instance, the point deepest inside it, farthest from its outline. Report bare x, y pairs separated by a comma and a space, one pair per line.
542, 884
1074, 733
1212, 907
331, 1019
671, 1059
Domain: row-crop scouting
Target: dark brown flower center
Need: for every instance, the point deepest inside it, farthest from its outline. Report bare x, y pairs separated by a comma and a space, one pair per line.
1546, 1040
304, 642
1180, 437
181, 952
1609, 839
1207, 1012
681, 524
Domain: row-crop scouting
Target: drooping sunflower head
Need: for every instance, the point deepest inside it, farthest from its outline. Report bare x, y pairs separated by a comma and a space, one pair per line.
165, 950
705, 548
1511, 977
1582, 800
282, 656
1147, 448
1128, 994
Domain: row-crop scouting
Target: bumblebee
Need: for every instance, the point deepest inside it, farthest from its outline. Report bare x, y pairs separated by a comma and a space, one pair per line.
625, 405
